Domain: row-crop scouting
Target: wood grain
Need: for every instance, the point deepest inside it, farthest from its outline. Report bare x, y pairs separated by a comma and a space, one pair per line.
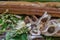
31, 8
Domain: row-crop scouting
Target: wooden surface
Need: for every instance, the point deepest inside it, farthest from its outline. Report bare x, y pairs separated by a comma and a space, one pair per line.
31, 8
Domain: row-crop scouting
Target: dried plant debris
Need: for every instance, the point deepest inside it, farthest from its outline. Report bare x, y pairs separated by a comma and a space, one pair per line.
16, 27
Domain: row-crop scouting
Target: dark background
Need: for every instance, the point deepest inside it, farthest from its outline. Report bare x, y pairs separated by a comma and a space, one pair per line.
34, 0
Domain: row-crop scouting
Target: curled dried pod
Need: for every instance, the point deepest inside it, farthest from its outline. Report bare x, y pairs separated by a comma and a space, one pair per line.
45, 18
50, 31
32, 25
34, 18
27, 19
51, 28
31, 19
43, 21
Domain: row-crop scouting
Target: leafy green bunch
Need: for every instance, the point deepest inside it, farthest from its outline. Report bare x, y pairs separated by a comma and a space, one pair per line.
7, 21
8, 24
20, 34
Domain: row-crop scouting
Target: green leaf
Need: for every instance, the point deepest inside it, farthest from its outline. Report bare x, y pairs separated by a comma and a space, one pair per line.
4, 26
17, 37
1, 21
